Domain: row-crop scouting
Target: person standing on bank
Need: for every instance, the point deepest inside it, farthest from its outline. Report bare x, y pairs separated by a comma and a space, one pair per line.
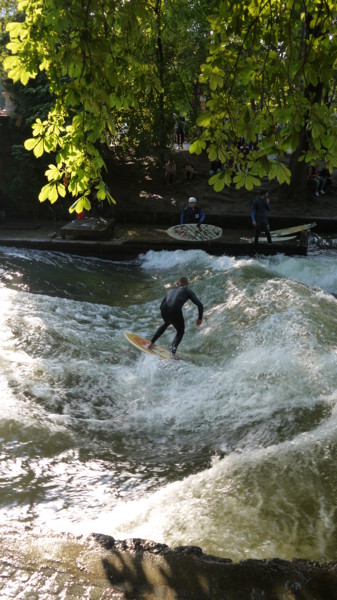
192, 213
171, 310
259, 215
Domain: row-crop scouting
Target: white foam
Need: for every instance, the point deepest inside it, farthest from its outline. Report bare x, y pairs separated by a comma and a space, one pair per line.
120, 442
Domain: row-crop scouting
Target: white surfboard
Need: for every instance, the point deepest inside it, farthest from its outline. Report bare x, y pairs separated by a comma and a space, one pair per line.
295, 229
195, 233
275, 239
142, 344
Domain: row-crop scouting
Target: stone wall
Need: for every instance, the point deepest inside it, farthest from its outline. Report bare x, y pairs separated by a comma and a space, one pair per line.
101, 568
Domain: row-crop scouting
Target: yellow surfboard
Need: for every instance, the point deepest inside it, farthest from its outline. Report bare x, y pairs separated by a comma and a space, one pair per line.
142, 344
295, 229
275, 239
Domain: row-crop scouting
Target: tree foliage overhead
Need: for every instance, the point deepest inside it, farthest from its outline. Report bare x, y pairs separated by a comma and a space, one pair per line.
176, 47
91, 53
109, 63
7, 10
270, 78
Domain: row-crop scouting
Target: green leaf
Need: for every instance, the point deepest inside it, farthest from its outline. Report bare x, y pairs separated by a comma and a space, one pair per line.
38, 127
53, 174
251, 182
281, 172
76, 206
61, 190
198, 146
82, 203
31, 143
204, 119
44, 193
228, 177
316, 130
212, 153
49, 192
217, 181
101, 195
239, 179
39, 148
53, 194
247, 180
86, 203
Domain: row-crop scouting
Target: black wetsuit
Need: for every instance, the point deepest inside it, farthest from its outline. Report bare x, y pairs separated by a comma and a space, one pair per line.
258, 214
192, 215
172, 313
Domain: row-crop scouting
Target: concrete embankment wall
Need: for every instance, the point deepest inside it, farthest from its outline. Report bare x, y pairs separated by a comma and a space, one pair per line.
169, 218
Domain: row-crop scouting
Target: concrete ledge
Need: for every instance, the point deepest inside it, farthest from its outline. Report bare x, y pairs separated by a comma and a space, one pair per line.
236, 221
130, 249
90, 228
146, 570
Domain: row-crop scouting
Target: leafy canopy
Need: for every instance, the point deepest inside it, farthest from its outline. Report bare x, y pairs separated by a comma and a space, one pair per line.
91, 53
270, 79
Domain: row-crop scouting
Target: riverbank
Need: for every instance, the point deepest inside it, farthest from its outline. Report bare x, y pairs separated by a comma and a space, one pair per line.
142, 195
146, 207
127, 241
102, 568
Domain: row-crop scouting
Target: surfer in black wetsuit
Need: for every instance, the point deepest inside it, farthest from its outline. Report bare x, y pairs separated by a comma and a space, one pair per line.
172, 313
259, 216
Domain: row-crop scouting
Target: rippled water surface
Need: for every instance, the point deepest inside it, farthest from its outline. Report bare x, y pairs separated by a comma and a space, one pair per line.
233, 449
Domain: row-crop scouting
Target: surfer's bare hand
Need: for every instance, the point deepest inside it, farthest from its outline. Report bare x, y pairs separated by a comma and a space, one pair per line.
198, 322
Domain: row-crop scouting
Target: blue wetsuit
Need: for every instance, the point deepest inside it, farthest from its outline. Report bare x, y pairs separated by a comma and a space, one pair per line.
258, 214
172, 313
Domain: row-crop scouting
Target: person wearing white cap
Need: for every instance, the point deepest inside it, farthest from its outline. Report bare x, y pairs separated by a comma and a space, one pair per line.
192, 213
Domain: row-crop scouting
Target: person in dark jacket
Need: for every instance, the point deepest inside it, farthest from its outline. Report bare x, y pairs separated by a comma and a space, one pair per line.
172, 313
192, 213
259, 215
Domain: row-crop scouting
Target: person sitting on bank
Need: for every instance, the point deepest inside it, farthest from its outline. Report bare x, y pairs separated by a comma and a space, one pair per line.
318, 181
180, 131
189, 170
259, 216
325, 173
192, 213
170, 171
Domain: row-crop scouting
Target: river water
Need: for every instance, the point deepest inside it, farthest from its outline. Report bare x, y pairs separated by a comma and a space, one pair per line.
233, 449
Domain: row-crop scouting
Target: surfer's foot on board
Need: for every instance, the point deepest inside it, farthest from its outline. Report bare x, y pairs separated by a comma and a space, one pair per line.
173, 355
150, 346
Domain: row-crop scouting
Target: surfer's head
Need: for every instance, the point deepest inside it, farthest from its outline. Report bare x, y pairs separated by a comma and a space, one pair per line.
182, 281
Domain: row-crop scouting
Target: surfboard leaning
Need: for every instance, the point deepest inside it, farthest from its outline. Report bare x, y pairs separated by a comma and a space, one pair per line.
283, 235
194, 233
290, 230
276, 239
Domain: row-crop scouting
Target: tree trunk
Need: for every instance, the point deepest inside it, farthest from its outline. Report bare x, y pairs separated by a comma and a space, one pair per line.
297, 190
161, 126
